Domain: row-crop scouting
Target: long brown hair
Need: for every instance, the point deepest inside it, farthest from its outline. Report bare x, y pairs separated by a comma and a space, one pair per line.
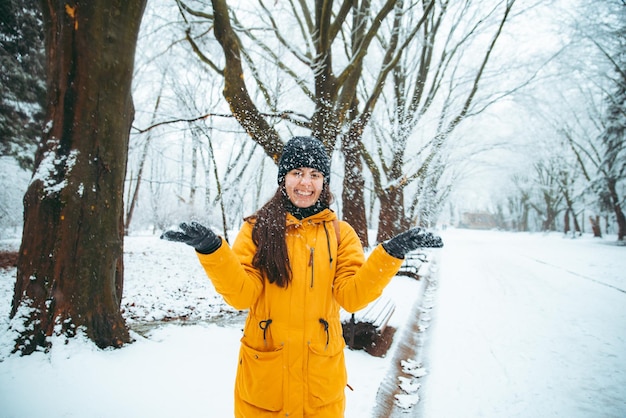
269, 236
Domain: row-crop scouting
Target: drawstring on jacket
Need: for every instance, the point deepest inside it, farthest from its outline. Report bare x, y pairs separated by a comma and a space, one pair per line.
325, 325
264, 325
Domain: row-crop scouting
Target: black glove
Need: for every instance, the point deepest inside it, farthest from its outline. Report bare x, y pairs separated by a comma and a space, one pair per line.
411, 240
199, 237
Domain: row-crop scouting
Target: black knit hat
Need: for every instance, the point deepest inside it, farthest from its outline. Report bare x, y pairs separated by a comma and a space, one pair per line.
304, 151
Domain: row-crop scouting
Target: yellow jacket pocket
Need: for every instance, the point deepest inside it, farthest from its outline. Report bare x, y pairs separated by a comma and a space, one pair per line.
327, 377
260, 377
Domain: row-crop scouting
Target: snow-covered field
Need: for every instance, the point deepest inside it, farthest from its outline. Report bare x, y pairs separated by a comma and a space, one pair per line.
523, 325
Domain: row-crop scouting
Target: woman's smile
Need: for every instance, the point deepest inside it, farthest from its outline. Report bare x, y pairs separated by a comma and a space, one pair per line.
304, 186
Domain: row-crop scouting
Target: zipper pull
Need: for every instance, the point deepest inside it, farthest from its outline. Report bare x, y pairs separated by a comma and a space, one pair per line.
311, 264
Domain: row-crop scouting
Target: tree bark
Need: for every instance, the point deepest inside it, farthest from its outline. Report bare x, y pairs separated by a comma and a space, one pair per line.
70, 265
617, 209
235, 90
391, 219
595, 226
353, 185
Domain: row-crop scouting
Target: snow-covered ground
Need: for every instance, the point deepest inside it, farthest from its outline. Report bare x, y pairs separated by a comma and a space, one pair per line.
528, 326
523, 325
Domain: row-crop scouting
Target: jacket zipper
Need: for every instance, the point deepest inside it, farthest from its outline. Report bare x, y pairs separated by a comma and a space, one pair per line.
311, 265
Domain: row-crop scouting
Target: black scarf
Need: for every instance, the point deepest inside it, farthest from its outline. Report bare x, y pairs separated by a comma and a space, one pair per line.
301, 213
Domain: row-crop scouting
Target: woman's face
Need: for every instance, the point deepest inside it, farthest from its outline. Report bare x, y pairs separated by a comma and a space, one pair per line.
304, 186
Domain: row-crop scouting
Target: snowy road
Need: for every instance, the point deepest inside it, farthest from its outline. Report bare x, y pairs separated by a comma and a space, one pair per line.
527, 331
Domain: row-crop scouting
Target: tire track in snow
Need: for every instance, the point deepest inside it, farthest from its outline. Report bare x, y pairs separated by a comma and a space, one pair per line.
573, 273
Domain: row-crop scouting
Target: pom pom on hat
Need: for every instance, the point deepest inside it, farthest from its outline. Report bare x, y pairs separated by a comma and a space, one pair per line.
304, 151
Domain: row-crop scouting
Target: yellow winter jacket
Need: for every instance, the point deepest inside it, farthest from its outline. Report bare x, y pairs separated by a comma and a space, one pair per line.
291, 360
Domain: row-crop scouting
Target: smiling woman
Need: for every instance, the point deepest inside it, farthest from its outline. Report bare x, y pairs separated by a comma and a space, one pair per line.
293, 265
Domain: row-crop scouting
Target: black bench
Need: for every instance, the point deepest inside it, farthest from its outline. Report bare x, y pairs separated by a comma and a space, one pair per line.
361, 328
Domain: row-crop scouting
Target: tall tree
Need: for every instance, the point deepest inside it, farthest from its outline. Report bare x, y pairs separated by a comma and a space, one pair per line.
600, 149
613, 136
322, 63
434, 80
335, 61
549, 199
70, 265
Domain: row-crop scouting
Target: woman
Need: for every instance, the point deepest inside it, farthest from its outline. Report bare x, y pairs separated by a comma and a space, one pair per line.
293, 264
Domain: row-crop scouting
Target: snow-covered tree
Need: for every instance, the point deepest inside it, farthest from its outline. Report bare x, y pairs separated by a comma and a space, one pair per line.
612, 168
602, 152
70, 264
22, 79
324, 68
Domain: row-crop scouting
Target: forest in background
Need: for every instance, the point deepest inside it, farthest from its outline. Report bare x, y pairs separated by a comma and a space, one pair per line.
161, 112
510, 108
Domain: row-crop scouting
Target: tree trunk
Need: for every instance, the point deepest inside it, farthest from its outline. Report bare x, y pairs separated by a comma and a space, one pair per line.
595, 226
551, 212
391, 219
353, 186
235, 91
218, 184
617, 209
576, 224
621, 223
70, 266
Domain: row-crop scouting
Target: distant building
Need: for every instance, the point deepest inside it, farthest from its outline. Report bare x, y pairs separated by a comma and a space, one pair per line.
478, 220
